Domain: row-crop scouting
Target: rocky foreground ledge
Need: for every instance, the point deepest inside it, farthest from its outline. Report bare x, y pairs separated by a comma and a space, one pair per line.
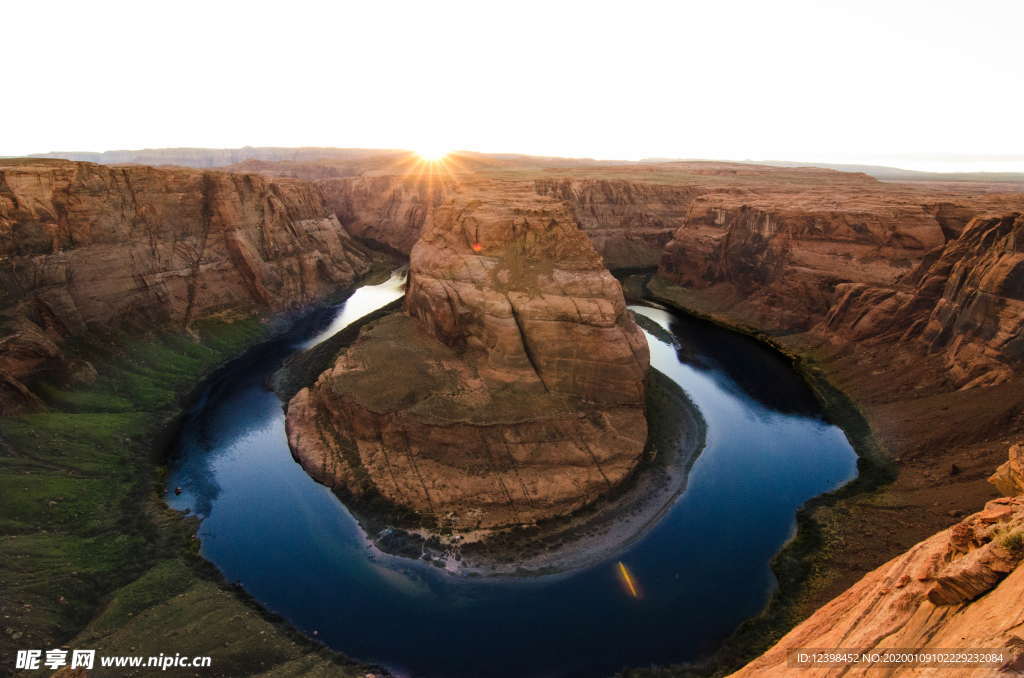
510, 391
962, 588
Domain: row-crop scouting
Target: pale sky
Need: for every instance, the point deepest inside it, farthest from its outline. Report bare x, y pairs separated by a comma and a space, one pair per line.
856, 81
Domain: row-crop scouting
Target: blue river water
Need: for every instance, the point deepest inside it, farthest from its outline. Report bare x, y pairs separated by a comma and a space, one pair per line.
701, 571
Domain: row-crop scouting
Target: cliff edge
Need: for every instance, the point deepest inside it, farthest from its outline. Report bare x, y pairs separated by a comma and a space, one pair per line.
961, 588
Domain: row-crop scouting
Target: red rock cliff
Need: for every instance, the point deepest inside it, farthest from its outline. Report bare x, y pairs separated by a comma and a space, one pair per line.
386, 211
783, 255
965, 300
629, 222
860, 261
86, 247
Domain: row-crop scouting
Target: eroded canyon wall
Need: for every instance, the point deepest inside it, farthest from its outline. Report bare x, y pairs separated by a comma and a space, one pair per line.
629, 222
782, 260
868, 264
386, 211
965, 300
86, 249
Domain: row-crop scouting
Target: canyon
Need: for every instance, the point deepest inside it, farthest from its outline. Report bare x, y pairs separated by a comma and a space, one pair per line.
965, 301
942, 275
907, 297
87, 250
514, 339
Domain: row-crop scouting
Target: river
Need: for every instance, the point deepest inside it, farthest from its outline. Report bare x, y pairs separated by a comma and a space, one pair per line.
701, 571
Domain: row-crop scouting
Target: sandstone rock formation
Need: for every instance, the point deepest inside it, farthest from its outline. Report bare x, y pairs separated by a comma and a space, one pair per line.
1009, 478
783, 249
629, 222
961, 588
857, 260
965, 299
504, 273
386, 211
509, 392
87, 248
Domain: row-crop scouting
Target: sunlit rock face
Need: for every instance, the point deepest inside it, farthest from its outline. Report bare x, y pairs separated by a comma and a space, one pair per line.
514, 280
1009, 477
510, 391
961, 588
89, 248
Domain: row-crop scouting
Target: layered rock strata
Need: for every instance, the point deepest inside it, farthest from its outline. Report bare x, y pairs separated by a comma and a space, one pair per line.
86, 249
854, 260
965, 300
510, 391
783, 260
386, 211
629, 222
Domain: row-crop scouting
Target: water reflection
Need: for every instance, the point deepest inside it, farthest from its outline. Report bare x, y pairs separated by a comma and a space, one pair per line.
213, 427
741, 364
364, 300
701, 570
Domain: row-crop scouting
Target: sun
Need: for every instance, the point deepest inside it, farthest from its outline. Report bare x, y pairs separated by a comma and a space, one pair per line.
432, 153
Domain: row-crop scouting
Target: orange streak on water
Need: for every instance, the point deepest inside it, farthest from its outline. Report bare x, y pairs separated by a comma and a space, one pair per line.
627, 579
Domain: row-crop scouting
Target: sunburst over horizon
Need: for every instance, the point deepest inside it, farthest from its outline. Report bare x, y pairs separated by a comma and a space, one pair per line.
433, 152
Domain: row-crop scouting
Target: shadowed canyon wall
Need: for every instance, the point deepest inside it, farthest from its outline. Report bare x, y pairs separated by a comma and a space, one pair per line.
89, 249
387, 212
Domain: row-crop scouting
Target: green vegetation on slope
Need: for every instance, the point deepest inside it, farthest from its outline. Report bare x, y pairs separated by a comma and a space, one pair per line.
90, 556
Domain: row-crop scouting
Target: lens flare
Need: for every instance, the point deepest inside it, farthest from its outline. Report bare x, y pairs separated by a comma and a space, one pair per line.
627, 580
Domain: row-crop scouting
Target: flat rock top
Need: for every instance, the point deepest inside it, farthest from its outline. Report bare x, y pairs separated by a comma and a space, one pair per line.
396, 366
